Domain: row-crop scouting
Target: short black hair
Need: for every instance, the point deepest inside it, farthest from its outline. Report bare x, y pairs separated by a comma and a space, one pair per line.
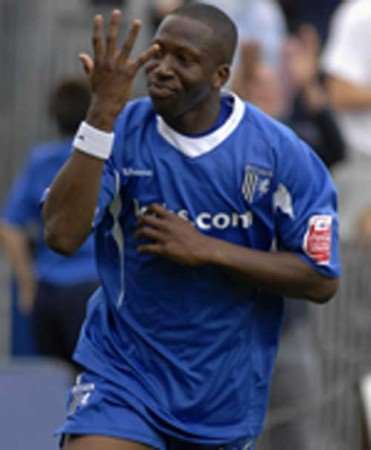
69, 102
225, 30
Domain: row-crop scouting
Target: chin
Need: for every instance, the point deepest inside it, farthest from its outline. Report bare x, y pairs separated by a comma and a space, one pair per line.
165, 108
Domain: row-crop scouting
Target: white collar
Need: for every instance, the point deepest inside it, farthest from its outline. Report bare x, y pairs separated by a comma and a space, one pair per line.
197, 146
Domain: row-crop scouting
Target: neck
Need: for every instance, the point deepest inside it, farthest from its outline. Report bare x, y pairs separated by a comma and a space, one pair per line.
199, 118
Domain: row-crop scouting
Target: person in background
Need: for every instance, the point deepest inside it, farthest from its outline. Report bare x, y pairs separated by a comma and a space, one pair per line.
257, 82
346, 63
316, 13
261, 22
206, 213
364, 227
52, 289
310, 114
158, 9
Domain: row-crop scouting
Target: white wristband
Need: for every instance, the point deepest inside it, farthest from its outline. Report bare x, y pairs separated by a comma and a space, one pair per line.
92, 141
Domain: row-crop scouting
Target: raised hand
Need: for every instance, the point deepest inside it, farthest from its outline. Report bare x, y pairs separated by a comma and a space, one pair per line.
112, 70
301, 54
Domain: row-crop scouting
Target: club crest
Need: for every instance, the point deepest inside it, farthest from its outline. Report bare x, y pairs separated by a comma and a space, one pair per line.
256, 183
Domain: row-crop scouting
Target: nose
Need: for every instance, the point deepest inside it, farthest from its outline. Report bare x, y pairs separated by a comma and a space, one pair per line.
164, 66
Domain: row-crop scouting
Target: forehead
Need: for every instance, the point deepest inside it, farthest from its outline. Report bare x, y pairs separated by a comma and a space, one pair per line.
185, 32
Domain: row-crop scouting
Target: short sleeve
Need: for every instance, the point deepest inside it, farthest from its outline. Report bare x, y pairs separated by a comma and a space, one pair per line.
346, 53
305, 206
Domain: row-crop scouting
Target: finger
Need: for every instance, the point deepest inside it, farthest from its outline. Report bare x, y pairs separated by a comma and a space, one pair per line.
154, 249
149, 233
87, 63
97, 40
145, 56
157, 209
112, 33
130, 40
151, 220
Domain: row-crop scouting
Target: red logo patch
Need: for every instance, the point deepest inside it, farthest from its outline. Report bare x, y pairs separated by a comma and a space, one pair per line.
317, 239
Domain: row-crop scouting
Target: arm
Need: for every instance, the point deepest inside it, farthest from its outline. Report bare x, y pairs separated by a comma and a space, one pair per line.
346, 96
282, 273
17, 249
70, 206
302, 62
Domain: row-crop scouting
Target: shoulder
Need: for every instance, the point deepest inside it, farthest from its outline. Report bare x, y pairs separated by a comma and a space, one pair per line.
135, 114
289, 154
272, 132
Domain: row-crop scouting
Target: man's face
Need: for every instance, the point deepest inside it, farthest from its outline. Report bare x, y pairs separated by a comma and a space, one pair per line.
179, 76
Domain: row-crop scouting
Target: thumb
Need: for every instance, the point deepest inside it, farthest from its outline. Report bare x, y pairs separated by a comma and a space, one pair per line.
87, 63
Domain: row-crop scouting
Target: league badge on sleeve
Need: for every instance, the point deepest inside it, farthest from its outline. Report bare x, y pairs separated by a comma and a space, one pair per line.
317, 239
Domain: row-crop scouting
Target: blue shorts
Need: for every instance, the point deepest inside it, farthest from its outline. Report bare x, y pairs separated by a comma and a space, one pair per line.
92, 409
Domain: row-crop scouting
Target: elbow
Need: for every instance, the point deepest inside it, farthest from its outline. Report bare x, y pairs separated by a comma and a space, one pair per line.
61, 235
324, 291
60, 242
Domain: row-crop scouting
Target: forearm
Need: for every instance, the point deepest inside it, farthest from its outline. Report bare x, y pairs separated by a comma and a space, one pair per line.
16, 248
345, 95
71, 202
70, 206
282, 273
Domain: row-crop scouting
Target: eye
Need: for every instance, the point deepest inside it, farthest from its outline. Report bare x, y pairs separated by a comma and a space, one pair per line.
159, 53
184, 58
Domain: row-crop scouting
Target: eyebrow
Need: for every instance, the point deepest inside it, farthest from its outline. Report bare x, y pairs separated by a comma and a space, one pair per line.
179, 47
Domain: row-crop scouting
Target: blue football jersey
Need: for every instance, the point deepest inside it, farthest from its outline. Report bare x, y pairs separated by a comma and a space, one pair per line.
192, 349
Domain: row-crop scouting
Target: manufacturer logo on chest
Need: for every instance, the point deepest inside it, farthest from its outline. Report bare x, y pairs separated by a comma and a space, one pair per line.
134, 172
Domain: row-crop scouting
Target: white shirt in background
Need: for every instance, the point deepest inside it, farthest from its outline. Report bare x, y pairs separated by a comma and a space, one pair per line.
347, 55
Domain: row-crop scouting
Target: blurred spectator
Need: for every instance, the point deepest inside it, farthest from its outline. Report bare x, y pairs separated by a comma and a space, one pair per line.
314, 12
262, 33
261, 22
347, 63
161, 8
311, 116
257, 82
364, 227
52, 289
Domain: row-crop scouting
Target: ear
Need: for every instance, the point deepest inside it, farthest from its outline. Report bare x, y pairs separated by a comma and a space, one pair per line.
221, 76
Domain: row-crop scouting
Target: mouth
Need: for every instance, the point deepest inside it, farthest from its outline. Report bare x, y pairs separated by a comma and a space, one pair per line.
159, 90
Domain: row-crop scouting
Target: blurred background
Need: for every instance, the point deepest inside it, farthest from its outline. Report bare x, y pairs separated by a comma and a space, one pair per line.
306, 63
